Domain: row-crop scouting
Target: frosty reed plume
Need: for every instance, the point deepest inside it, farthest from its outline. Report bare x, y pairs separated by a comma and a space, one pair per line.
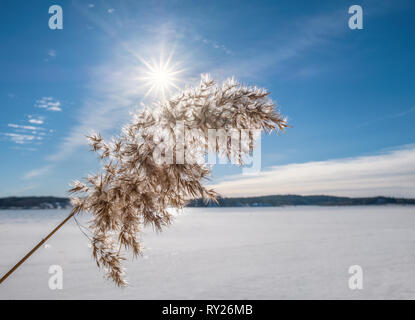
155, 163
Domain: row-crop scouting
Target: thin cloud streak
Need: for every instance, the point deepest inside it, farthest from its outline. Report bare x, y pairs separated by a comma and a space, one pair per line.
21, 138
26, 134
36, 121
16, 126
388, 174
37, 172
49, 103
317, 30
108, 106
389, 116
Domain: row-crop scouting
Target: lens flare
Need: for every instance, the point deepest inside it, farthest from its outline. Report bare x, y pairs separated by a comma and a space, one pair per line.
161, 78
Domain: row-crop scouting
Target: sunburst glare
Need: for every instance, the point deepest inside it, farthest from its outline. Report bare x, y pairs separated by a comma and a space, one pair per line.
161, 78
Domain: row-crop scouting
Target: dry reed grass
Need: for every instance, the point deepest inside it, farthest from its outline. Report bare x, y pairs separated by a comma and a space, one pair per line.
134, 190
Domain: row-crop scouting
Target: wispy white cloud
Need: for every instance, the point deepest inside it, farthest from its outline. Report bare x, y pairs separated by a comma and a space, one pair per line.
304, 35
25, 134
21, 189
20, 138
37, 120
298, 37
390, 116
22, 147
17, 126
49, 103
37, 172
111, 10
213, 44
52, 53
390, 173
113, 95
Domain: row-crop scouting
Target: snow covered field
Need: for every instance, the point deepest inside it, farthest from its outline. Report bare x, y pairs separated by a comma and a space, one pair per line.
237, 253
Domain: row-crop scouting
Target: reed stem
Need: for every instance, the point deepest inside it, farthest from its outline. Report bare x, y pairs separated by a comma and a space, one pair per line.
35, 248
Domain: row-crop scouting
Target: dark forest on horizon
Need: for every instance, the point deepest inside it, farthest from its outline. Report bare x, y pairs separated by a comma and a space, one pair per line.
260, 201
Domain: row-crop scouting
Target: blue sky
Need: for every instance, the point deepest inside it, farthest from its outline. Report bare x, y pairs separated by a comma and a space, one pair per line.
349, 94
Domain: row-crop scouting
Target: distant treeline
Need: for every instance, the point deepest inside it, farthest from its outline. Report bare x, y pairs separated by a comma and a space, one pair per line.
263, 201
34, 203
295, 200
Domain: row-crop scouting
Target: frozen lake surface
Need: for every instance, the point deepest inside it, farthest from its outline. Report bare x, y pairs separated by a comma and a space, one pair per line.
218, 253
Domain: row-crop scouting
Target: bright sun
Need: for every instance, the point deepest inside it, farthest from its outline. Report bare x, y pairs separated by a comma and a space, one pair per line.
161, 78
